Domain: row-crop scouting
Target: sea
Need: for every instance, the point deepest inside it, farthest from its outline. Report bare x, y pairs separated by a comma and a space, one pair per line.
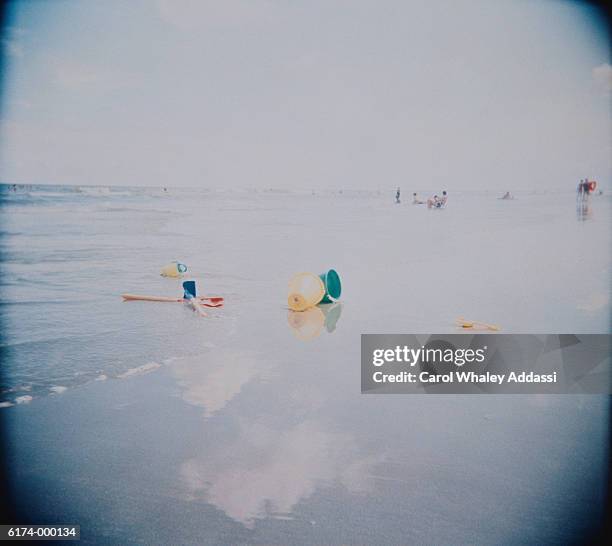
146, 423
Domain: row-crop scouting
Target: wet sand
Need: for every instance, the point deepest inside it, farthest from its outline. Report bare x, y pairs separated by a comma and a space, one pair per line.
295, 459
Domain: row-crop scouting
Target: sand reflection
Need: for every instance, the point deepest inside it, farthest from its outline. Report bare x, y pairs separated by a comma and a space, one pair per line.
264, 471
212, 380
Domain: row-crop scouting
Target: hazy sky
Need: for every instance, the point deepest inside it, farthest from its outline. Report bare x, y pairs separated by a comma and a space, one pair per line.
287, 93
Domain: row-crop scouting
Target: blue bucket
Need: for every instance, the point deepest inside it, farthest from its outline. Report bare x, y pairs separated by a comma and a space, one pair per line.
333, 286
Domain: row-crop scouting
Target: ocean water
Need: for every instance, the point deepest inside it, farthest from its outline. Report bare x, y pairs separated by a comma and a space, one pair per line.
247, 426
533, 265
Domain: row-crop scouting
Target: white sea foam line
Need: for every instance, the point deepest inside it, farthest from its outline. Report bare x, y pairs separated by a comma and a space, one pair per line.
26, 399
18, 388
6, 404
145, 368
101, 377
171, 360
58, 389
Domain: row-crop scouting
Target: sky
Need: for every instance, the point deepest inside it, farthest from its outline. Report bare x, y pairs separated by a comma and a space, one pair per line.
461, 94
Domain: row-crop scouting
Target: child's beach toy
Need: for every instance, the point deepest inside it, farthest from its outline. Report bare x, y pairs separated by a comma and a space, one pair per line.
174, 269
189, 289
476, 325
208, 301
190, 297
333, 287
305, 291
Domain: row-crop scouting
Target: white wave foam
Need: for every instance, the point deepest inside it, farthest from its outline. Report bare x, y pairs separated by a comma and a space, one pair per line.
26, 388
6, 404
26, 399
46, 194
58, 389
101, 377
140, 370
94, 190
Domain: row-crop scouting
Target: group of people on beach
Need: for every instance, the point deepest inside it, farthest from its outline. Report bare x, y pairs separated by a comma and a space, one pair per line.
433, 202
437, 202
585, 188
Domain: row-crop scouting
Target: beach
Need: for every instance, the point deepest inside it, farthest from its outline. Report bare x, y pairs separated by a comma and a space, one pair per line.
145, 423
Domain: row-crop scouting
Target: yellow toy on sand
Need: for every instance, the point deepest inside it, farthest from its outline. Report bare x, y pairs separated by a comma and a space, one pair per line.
174, 269
305, 291
476, 325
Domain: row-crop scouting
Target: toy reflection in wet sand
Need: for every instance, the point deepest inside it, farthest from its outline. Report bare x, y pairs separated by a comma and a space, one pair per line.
309, 324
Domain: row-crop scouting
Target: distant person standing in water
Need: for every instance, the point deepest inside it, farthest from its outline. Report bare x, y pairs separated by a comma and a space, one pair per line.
443, 199
397, 196
586, 189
